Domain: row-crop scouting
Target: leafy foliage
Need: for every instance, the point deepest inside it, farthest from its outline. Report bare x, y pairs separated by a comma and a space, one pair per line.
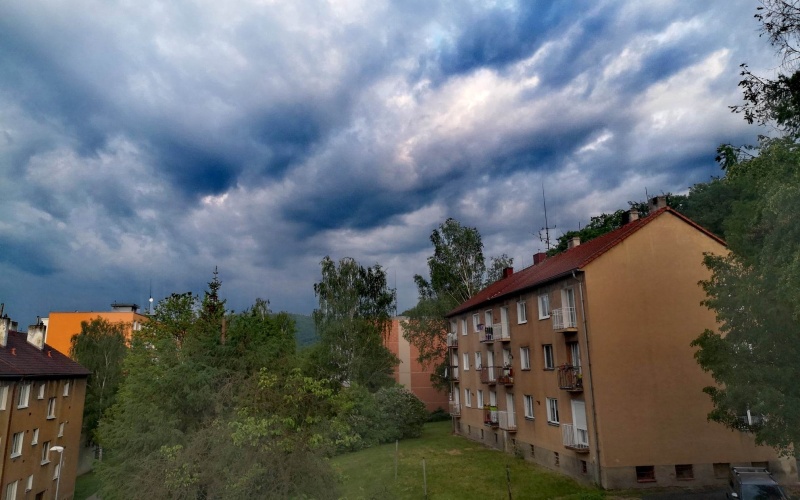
403, 412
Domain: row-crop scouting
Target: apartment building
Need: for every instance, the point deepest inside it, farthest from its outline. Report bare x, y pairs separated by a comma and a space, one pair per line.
41, 408
410, 373
582, 362
62, 326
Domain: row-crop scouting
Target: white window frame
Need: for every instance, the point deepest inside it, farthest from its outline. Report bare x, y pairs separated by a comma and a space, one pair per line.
467, 398
66, 388
464, 330
29, 485
552, 411
57, 470
61, 429
45, 452
549, 358
478, 361
24, 399
3, 396
480, 398
453, 327
465, 366
11, 490
42, 388
488, 318
51, 408
522, 314
528, 402
35, 439
16, 444
525, 358
476, 320
544, 305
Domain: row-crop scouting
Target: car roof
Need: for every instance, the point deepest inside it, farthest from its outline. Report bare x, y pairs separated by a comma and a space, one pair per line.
753, 475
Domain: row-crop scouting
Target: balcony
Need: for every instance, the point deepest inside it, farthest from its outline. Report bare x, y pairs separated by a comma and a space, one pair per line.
506, 376
751, 422
452, 341
487, 335
452, 373
507, 421
575, 438
570, 378
455, 409
490, 415
490, 374
564, 319
500, 333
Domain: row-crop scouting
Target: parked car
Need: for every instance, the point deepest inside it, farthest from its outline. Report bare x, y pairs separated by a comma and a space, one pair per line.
754, 483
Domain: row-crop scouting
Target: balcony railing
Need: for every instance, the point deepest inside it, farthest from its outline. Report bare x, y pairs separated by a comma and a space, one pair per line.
575, 438
751, 422
570, 378
455, 409
487, 335
490, 415
506, 376
452, 340
500, 333
507, 421
490, 374
564, 318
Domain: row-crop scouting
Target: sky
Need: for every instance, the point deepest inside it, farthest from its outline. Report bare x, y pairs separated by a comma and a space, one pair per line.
144, 143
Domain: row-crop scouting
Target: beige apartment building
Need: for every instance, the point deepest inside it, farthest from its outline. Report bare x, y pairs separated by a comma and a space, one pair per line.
582, 362
41, 409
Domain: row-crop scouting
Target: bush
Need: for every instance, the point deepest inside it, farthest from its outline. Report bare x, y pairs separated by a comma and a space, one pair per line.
439, 415
403, 413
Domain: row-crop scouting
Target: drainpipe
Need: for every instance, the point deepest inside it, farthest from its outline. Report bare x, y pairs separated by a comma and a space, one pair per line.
591, 386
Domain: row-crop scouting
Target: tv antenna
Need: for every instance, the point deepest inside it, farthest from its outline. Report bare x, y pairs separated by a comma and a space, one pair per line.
151, 297
546, 238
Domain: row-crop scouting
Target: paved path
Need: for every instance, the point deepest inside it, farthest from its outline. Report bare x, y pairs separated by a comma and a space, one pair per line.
705, 495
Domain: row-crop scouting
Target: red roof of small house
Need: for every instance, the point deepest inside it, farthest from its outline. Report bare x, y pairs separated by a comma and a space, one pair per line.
565, 263
20, 359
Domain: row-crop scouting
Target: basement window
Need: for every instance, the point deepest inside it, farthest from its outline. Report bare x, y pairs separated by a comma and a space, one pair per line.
557, 459
645, 473
684, 472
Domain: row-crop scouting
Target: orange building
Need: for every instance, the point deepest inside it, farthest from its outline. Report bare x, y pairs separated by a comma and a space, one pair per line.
41, 409
410, 373
582, 362
62, 326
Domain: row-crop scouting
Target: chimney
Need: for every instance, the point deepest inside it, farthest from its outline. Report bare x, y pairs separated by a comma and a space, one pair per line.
5, 326
36, 335
539, 257
633, 215
508, 271
657, 203
573, 242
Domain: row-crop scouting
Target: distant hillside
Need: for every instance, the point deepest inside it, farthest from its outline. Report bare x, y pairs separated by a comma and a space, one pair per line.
306, 334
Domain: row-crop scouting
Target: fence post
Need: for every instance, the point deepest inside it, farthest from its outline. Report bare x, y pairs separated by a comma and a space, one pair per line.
424, 479
396, 450
508, 481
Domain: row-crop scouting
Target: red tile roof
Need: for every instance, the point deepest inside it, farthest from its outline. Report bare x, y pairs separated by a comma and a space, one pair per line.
19, 359
564, 263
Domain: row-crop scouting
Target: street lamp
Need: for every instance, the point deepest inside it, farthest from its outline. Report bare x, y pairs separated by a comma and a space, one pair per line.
60, 450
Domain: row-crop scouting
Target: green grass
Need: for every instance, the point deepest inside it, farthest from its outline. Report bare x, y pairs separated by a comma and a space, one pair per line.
86, 486
456, 468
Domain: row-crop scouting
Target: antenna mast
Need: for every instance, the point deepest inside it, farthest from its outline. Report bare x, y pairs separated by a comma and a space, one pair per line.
546, 228
151, 297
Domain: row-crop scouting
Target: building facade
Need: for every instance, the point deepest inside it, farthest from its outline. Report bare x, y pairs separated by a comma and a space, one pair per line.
62, 326
582, 362
41, 409
410, 373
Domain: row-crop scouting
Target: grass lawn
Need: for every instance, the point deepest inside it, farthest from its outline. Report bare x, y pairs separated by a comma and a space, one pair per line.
456, 468
86, 486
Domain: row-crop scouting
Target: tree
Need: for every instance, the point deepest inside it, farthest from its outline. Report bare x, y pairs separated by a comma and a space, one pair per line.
755, 292
498, 265
101, 348
352, 321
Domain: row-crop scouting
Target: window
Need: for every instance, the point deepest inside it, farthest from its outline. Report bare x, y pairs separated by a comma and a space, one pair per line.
645, 473
466, 361
453, 328
544, 306
549, 363
475, 322
533, 451
684, 472
35, 439
522, 315
66, 388
61, 429
552, 411
478, 363
42, 387
584, 467
3, 396
467, 398
556, 459
528, 406
24, 395
463, 326
488, 318
480, 398
51, 408
493, 398
57, 470
525, 358
16, 444
29, 485
46, 452
11, 490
